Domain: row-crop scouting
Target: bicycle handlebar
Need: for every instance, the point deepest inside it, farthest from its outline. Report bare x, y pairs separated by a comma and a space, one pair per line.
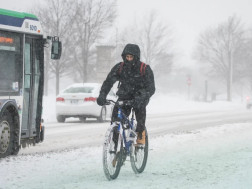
120, 103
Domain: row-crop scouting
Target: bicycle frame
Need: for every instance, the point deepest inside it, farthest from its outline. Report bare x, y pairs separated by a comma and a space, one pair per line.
125, 128
116, 150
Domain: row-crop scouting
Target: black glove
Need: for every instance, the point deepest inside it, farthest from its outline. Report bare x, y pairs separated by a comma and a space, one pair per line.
101, 100
141, 100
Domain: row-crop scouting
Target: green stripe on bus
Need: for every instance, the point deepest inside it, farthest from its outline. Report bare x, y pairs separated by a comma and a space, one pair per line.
16, 14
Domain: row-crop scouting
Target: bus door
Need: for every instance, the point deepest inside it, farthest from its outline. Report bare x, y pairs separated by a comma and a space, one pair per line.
32, 94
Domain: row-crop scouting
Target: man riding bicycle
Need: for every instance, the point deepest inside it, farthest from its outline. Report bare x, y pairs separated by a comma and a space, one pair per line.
136, 82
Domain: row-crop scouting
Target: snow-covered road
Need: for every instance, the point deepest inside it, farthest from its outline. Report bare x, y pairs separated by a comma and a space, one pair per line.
196, 147
74, 134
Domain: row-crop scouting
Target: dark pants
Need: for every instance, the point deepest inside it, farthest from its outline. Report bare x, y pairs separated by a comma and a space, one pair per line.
139, 112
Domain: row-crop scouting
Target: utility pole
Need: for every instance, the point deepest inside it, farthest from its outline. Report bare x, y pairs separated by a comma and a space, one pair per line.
206, 88
230, 75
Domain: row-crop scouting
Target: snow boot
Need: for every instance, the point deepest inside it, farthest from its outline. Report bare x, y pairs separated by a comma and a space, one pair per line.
141, 138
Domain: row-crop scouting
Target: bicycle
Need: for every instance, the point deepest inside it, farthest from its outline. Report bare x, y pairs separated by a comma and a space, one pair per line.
120, 142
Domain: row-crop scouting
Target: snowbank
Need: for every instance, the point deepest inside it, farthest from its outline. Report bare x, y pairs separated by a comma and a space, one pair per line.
163, 103
159, 103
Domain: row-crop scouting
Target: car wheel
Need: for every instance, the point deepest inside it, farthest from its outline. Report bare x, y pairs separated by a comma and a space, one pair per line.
82, 119
61, 119
102, 116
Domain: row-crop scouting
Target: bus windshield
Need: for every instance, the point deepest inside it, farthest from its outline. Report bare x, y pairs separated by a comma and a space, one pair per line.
10, 62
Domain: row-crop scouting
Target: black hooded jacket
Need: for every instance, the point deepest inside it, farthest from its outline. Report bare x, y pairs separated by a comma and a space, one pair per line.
132, 82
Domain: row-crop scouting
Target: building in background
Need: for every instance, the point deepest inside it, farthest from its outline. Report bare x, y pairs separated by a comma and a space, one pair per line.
105, 61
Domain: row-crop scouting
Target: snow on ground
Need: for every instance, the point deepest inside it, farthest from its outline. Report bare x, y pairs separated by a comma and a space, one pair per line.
214, 157
218, 157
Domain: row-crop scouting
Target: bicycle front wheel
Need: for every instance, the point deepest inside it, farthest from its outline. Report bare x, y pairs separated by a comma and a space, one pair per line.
139, 155
112, 160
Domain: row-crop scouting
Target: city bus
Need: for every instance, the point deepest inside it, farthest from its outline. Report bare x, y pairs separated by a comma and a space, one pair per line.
22, 79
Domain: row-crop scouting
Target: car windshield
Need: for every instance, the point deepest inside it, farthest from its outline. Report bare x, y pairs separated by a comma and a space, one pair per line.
79, 90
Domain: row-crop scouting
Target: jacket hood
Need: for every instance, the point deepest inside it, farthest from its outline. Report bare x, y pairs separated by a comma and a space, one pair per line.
131, 49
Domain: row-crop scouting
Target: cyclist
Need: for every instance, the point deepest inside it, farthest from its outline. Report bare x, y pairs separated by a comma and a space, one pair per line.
136, 82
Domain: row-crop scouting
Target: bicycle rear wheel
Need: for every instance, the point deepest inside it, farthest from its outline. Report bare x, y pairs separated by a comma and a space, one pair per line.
139, 155
112, 160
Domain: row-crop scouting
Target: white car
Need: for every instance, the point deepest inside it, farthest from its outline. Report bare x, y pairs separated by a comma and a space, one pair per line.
79, 100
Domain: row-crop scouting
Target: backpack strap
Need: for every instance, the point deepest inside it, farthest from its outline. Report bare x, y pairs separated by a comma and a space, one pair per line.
119, 72
142, 68
121, 67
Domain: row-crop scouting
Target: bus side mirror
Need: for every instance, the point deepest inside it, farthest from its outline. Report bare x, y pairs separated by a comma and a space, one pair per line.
56, 48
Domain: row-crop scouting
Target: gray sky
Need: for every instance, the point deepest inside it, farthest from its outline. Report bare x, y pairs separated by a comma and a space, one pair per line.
187, 18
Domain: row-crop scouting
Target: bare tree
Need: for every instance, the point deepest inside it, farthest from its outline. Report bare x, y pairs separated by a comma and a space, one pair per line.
218, 48
57, 17
92, 19
154, 39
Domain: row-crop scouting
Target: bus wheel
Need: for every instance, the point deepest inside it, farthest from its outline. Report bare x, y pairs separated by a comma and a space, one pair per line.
7, 137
